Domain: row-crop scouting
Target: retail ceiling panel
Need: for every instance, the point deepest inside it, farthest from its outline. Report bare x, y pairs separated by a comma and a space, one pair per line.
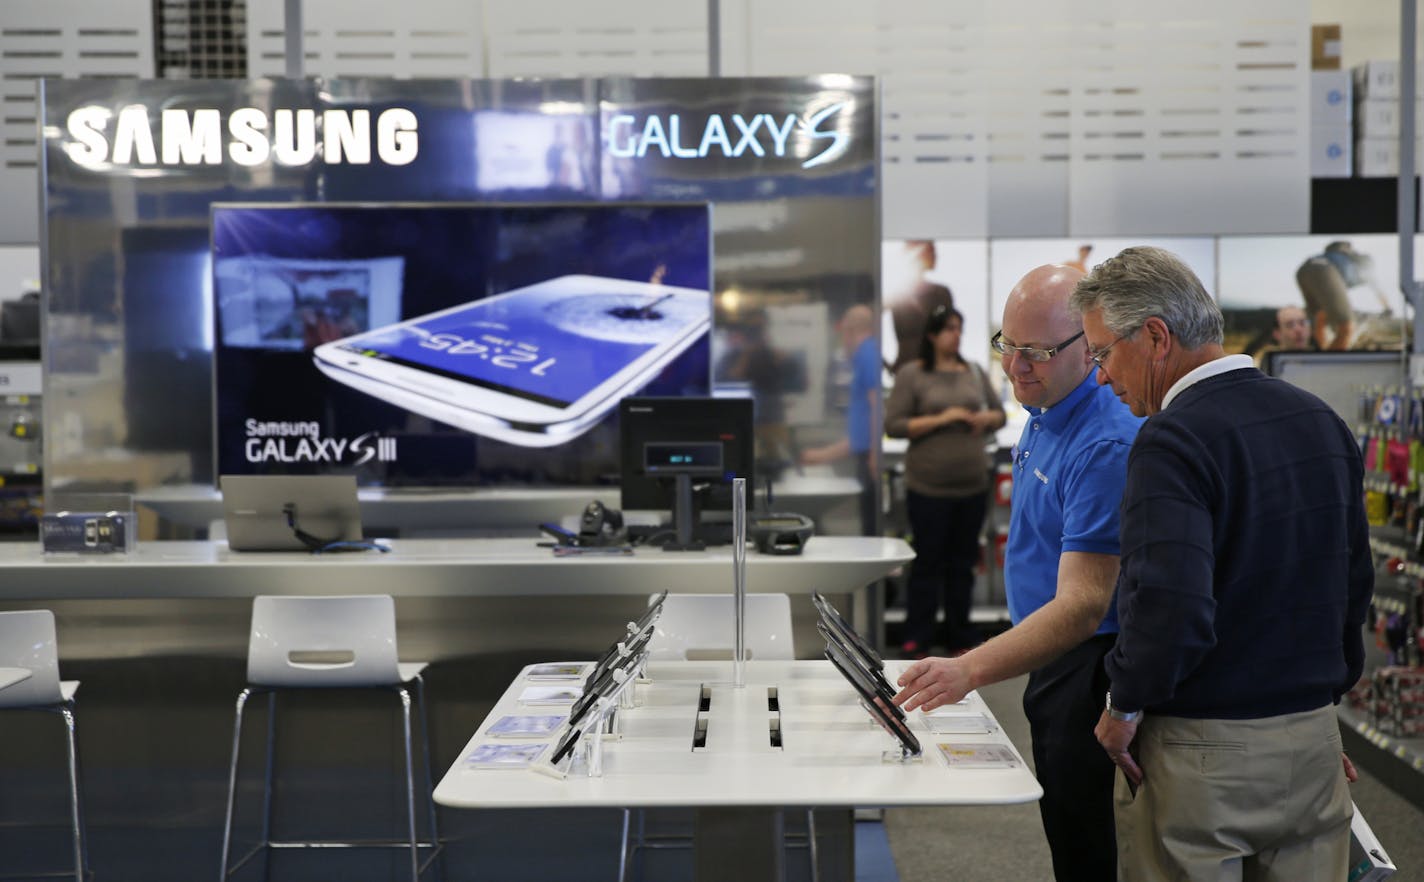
558, 38
49, 39
1025, 76
1190, 119
927, 57
370, 38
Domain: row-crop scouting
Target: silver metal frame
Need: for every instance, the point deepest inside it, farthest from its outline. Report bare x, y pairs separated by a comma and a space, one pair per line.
1407, 220
267, 844
81, 869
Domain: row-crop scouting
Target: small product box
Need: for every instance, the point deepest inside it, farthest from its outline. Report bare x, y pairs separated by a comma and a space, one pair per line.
1379, 157
89, 524
1379, 117
1368, 860
1330, 152
1376, 79
1330, 98
1325, 47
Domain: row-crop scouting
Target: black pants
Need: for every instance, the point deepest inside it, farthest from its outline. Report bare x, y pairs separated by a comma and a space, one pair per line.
869, 510
946, 535
1063, 701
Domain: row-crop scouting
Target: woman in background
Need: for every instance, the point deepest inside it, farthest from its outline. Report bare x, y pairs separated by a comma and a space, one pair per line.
946, 407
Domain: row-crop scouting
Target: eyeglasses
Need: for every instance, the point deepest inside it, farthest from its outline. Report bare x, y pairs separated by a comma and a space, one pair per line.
1101, 355
1032, 353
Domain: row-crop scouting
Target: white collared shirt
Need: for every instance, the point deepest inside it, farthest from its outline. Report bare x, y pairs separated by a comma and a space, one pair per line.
1201, 372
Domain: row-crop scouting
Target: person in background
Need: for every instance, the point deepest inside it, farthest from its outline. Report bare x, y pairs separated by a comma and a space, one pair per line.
911, 306
1059, 570
768, 373
1245, 580
946, 407
1325, 281
1290, 333
863, 421
1292, 329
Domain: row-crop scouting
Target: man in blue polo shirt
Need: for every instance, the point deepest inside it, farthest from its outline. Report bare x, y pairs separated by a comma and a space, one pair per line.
863, 412
1060, 567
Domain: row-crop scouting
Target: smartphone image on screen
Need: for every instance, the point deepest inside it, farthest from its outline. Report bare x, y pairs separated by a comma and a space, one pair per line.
536, 366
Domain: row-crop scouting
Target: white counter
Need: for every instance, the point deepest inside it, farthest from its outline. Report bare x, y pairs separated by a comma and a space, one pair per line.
434, 568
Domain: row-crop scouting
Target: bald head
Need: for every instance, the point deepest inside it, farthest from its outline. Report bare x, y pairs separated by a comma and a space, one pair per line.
1037, 316
1044, 292
858, 320
856, 324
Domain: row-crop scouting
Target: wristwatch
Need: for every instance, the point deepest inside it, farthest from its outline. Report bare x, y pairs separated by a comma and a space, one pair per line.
1124, 716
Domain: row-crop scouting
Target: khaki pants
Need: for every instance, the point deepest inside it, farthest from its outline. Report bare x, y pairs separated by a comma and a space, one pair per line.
1227, 800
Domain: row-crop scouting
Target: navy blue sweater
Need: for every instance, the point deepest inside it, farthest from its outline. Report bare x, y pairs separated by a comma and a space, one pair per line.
1246, 569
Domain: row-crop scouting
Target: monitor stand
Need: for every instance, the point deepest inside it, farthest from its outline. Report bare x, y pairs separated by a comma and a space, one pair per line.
684, 518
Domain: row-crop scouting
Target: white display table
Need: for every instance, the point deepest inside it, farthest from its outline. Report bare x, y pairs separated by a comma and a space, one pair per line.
831, 753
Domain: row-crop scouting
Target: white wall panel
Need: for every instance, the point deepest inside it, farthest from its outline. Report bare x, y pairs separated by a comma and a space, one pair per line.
1064, 117
569, 38
51, 39
370, 38
1190, 119
926, 55
1026, 82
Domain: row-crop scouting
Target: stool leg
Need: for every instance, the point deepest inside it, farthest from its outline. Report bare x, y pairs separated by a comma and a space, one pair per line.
232, 783
410, 786
429, 761
267, 784
67, 711
811, 844
623, 849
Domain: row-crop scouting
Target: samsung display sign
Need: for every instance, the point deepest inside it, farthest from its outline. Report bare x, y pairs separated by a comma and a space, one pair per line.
98, 138
251, 137
679, 136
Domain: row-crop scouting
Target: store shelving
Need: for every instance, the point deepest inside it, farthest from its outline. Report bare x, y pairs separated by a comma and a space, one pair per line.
1382, 719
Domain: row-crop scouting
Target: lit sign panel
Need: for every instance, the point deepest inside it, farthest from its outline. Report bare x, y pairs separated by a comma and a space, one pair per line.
678, 136
99, 138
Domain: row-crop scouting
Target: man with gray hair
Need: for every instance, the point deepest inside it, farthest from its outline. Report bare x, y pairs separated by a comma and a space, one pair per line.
1244, 582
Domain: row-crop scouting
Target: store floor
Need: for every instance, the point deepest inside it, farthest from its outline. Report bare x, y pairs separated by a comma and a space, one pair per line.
992, 842
156, 760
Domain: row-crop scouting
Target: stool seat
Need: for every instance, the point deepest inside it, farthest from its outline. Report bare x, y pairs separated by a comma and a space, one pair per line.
29, 680
329, 642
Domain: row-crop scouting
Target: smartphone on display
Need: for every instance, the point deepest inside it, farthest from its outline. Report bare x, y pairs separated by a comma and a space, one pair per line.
536, 366
891, 722
849, 655
834, 620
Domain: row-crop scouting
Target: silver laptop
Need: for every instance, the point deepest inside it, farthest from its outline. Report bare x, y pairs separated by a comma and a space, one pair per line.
324, 507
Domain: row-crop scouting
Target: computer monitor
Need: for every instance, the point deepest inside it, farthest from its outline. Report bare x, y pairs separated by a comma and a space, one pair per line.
1337, 377
697, 444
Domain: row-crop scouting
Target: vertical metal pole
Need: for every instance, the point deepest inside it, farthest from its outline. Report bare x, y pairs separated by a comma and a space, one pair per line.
1408, 217
295, 35
739, 567
714, 38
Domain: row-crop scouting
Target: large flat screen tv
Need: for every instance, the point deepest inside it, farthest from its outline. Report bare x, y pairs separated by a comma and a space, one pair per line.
451, 343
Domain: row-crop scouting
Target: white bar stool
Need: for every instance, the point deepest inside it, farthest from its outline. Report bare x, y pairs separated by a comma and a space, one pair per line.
694, 626
339, 642
29, 680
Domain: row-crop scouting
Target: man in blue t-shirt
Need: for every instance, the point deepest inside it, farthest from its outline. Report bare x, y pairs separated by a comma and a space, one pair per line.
1060, 567
863, 420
